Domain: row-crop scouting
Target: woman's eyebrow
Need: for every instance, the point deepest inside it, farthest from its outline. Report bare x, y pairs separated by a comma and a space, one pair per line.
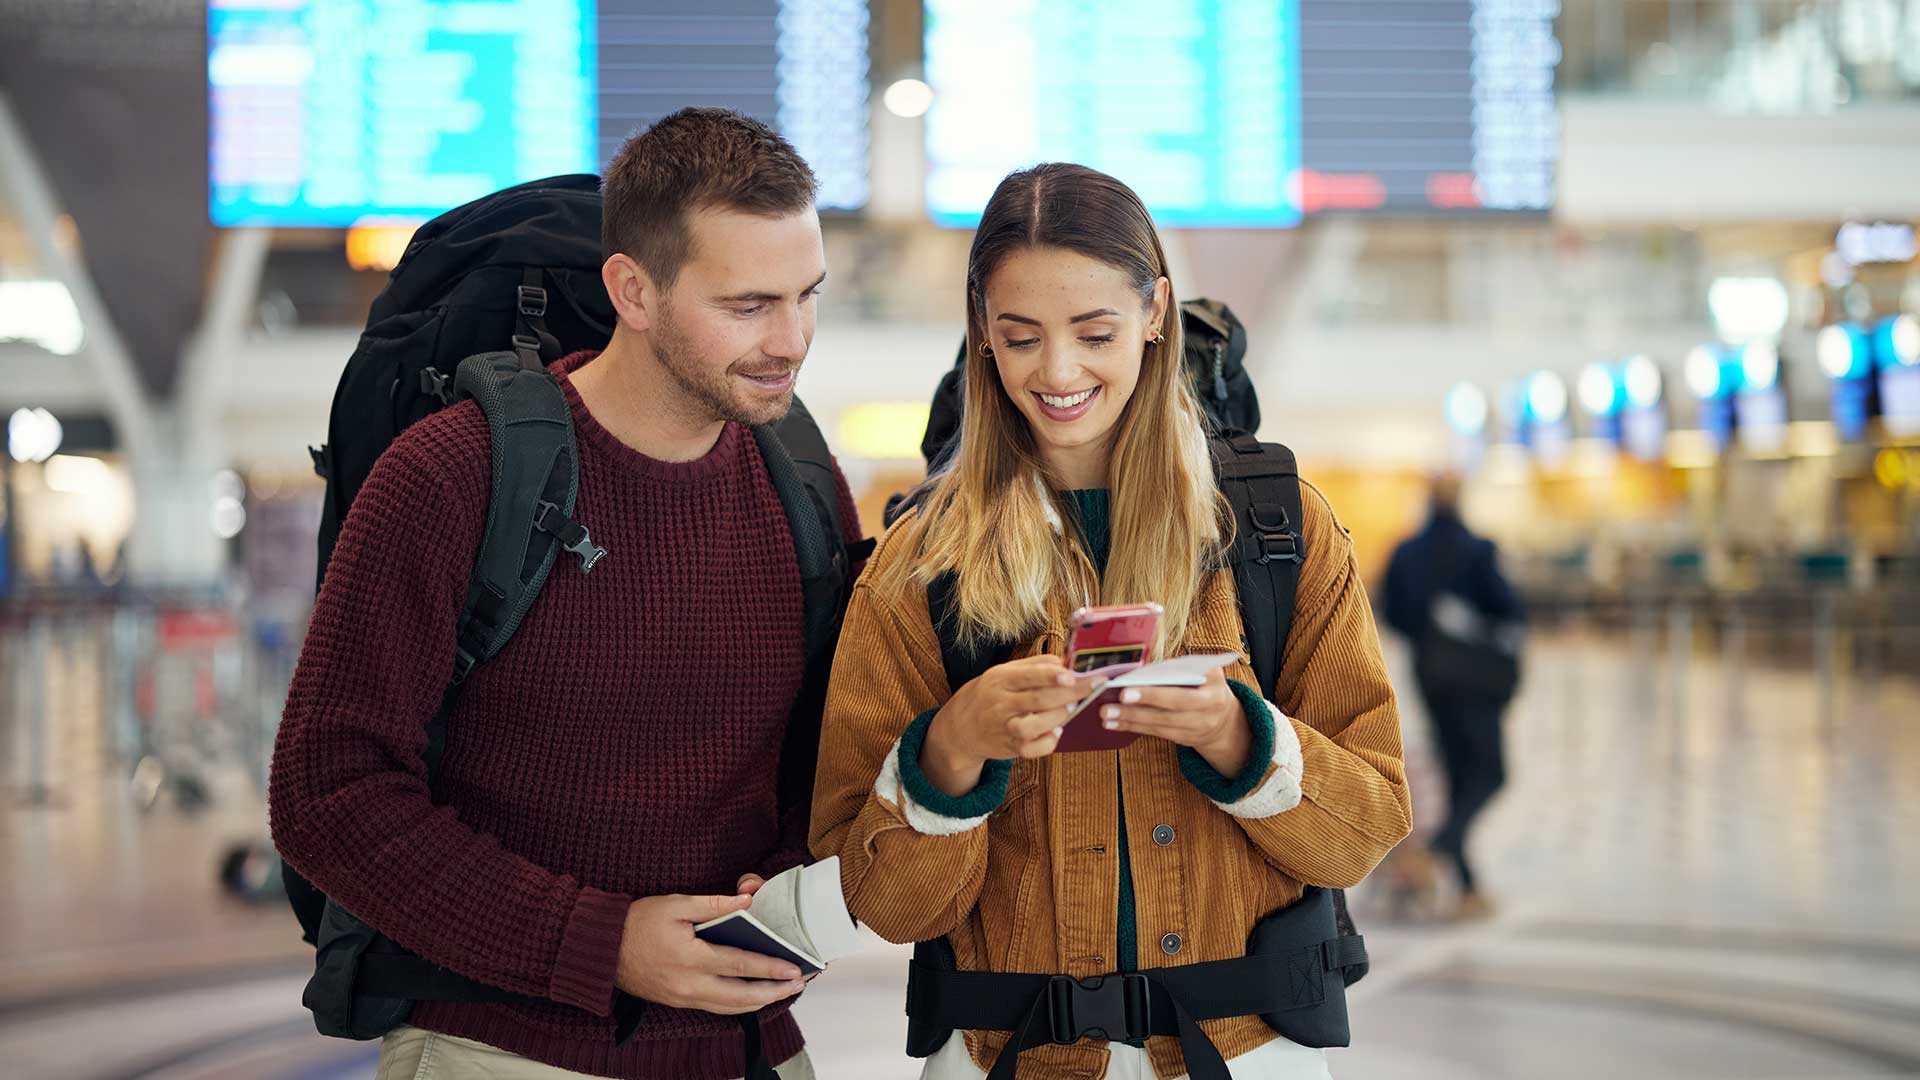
1097, 313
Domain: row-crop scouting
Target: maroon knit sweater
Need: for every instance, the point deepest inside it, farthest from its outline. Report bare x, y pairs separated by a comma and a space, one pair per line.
624, 743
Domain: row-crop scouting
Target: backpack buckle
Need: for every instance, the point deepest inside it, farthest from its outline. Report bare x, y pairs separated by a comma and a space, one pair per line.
436, 385
533, 301
572, 535
1273, 540
1111, 1007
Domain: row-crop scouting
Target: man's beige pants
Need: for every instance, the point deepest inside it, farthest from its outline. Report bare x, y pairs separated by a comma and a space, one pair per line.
409, 1053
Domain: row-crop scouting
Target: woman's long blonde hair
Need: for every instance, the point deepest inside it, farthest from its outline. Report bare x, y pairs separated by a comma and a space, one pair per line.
994, 515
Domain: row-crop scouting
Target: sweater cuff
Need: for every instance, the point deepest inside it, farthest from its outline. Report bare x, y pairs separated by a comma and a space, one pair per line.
928, 809
590, 952
1269, 783
1208, 779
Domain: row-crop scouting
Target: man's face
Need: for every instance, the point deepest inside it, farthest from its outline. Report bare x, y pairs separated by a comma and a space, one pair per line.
736, 326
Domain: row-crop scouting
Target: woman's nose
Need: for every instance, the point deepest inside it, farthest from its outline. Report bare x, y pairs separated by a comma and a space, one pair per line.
1059, 367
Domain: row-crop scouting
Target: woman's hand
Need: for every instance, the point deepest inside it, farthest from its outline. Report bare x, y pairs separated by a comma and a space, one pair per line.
1014, 710
1208, 718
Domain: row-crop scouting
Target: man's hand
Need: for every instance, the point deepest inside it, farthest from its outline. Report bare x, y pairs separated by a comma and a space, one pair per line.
662, 962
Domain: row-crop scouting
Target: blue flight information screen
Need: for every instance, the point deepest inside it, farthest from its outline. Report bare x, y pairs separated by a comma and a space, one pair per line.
1195, 104
337, 112
1240, 113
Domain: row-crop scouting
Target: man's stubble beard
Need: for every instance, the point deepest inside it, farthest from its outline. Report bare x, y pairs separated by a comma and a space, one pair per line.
709, 396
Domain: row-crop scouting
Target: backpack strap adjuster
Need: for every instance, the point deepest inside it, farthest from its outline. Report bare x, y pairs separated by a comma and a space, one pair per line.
527, 351
533, 301
463, 664
573, 536
1273, 539
1277, 547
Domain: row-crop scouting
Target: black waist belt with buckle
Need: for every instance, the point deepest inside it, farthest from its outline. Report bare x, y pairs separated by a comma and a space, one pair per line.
1042, 1009
1293, 977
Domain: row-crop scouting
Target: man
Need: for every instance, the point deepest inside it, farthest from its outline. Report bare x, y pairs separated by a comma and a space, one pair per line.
1447, 563
609, 779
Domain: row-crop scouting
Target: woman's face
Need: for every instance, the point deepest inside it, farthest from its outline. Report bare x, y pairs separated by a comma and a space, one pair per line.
1067, 333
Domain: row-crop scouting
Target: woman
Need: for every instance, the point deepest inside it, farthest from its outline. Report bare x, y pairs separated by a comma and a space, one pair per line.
1083, 477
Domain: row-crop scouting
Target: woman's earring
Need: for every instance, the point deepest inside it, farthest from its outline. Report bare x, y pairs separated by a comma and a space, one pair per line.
1157, 337
986, 349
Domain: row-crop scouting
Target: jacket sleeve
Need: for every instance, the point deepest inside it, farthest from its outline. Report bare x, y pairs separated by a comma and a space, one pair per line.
1343, 746
910, 871
348, 797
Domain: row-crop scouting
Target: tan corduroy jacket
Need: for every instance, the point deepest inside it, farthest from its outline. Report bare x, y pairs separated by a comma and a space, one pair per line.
1034, 886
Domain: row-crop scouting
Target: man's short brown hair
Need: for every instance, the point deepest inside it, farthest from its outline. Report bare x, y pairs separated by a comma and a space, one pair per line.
695, 159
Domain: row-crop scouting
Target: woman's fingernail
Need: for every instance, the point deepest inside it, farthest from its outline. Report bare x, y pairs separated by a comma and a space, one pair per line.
1058, 732
1065, 678
1130, 697
1110, 725
1111, 712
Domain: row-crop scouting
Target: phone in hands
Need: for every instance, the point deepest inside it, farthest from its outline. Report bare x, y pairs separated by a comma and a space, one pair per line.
1106, 641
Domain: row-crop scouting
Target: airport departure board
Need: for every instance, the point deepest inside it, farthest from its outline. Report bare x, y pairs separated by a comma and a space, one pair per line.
1239, 113
1428, 106
329, 112
798, 65
337, 112
1193, 103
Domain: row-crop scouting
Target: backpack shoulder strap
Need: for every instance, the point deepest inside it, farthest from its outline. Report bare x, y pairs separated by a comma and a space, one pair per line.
801, 468
802, 471
536, 477
1262, 483
963, 663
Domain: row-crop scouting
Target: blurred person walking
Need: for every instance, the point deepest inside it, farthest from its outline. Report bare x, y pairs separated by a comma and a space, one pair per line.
1445, 593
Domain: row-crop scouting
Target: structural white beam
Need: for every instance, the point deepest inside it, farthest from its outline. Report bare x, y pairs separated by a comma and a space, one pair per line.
31, 195
1628, 161
211, 361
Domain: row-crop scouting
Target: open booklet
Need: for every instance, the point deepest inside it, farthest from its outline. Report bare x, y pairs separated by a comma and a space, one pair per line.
799, 916
1179, 671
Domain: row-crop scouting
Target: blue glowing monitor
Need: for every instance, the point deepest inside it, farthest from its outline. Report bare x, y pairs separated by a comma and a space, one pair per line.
1249, 113
1196, 106
332, 112
327, 113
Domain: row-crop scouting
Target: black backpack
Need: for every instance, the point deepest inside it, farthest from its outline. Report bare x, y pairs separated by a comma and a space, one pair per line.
486, 295
1261, 482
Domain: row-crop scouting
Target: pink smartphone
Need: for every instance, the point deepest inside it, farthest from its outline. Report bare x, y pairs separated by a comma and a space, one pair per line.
1109, 641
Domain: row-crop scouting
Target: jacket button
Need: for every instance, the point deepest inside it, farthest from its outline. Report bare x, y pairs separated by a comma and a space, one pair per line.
1163, 835
1171, 944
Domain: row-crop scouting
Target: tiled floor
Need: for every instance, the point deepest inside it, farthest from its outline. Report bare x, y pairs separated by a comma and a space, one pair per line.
1706, 870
